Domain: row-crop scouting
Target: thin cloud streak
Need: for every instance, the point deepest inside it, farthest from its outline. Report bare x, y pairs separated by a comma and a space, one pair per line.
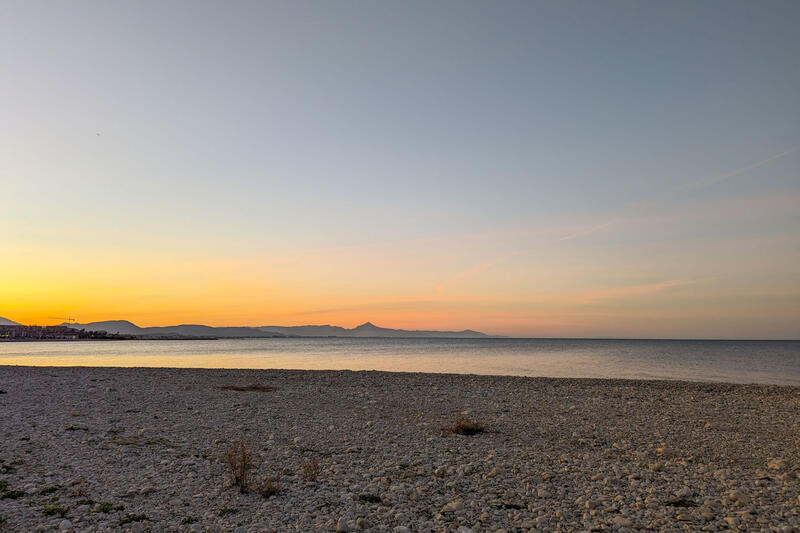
713, 180
633, 290
587, 231
686, 187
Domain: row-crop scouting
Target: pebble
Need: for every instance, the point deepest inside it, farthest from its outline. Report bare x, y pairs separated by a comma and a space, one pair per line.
455, 505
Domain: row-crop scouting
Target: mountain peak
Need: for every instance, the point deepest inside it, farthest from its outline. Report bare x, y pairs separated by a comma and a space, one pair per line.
7, 322
367, 325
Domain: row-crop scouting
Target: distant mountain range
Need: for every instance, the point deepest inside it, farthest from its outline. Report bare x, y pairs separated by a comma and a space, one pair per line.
124, 327
7, 322
367, 329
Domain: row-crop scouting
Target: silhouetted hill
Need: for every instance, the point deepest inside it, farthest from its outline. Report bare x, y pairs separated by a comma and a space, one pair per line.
124, 327
121, 327
368, 329
7, 322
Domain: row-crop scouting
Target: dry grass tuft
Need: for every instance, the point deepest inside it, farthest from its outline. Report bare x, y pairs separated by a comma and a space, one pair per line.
239, 461
311, 469
269, 486
465, 426
248, 388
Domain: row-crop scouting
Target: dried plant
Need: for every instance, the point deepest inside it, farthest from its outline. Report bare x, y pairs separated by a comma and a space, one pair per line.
465, 426
248, 388
311, 469
269, 486
79, 487
240, 461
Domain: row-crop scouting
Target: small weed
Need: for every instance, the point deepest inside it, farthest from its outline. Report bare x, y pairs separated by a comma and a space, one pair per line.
225, 511
11, 494
514, 506
133, 518
107, 507
53, 511
188, 520
240, 461
2, 519
6, 469
78, 488
369, 498
465, 426
269, 487
3, 485
49, 490
248, 388
681, 502
85, 501
2, 391
311, 469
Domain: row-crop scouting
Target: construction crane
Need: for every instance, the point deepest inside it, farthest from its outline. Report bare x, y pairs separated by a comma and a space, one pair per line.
67, 319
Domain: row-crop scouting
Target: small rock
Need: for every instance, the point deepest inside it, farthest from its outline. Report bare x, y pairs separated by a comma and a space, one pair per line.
455, 505
776, 464
65, 525
737, 496
621, 521
341, 525
666, 451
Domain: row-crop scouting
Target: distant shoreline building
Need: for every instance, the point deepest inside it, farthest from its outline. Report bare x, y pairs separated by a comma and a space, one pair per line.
10, 333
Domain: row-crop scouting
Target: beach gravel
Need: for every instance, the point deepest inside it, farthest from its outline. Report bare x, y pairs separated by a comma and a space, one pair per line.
141, 449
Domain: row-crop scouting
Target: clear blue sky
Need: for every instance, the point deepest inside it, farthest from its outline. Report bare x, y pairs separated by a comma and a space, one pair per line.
532, 168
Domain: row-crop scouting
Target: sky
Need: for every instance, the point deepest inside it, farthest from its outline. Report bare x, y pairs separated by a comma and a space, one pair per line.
545, 169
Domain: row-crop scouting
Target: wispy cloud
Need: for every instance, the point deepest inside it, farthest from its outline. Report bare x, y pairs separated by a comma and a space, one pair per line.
713, 180
631, 290
683, 188
587, 231
477, 269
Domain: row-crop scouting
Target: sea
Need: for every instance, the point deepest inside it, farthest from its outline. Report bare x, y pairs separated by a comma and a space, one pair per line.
764, 362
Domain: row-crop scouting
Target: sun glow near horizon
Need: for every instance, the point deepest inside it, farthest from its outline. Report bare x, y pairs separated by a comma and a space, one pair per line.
510, 168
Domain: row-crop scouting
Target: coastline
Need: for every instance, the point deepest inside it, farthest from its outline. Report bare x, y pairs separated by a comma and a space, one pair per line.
558, 454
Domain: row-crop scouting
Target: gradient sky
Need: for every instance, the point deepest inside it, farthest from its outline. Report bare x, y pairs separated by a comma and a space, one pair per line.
622, 169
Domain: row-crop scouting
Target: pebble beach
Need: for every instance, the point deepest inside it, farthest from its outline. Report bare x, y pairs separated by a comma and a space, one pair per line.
143, 449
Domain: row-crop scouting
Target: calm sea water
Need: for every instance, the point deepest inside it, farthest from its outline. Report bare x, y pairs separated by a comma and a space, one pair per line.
774, 362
